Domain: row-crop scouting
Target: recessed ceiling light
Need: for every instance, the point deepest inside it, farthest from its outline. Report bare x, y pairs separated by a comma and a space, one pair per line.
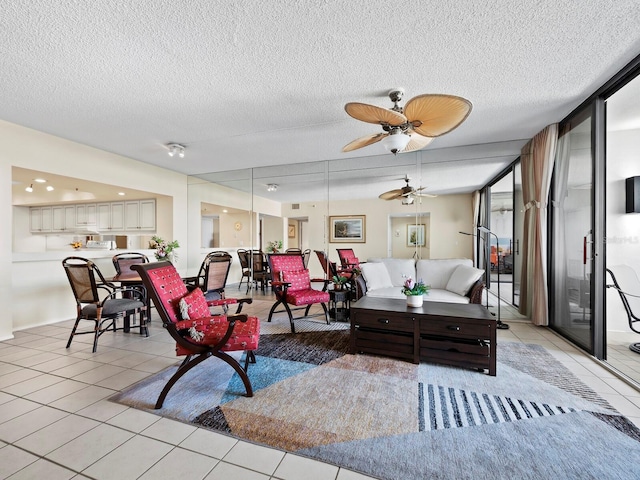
176, 149
225, 211
40, 180
121, 193
49, 188
29, 188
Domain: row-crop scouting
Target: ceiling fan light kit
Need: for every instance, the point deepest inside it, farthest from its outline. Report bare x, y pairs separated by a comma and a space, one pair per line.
407, 193
176, 149
412, 127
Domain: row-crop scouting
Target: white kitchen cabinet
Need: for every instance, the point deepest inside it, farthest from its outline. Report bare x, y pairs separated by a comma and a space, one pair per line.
117, 216
63, 218
103, 217
86, 215
140, 215
40, 219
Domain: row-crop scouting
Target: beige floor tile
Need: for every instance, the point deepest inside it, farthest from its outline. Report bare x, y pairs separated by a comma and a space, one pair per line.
57, 434
294, 467
169, 431
129, 460
209, 443
32, 385
226, 471
77, 368
13, 459
55, 392
17, 376
133, 360
8, 368
133, 420
61, 362
180, 463
89, 447
15, 408
622, 404
254, 457
5, 397
82, 398
43, 469
102, 410
98, 374
122, 380
28, 423
37, 358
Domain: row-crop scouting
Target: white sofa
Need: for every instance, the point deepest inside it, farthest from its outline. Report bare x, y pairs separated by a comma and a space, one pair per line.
452, 280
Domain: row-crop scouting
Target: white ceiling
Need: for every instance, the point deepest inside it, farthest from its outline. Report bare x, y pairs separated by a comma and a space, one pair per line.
251, 84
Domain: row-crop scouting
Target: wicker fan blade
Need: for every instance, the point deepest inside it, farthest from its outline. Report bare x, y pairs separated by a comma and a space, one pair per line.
392, 194
364, 141
373, 114
435, 115
417, 142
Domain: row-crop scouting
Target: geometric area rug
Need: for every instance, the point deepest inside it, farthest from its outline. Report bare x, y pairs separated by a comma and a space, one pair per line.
391, 419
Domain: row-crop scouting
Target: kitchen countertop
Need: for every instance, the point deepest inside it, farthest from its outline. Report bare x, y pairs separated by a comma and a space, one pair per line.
59, 255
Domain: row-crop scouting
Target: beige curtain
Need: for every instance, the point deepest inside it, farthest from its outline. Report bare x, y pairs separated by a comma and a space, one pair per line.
537, 167
476, 210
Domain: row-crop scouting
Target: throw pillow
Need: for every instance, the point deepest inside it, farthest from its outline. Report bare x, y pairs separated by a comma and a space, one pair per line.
463, 278
193, 305
376, 275
298, 280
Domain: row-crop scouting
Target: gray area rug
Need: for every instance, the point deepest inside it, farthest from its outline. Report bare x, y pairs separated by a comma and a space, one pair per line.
395, 420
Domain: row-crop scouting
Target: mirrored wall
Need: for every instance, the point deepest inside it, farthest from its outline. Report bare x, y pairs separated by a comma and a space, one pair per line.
326, 205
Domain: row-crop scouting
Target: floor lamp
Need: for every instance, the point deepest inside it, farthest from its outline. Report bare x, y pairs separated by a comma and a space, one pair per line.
500, 325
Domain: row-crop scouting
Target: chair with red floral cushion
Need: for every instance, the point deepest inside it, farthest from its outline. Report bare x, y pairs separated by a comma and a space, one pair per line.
198, 334
348, 259
292, 286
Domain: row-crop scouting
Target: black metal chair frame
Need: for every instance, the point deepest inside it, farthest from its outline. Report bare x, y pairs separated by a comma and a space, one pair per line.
90, 297
632, 316
243, 257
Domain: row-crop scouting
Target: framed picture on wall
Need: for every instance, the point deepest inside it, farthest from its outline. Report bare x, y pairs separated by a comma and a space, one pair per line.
415, 235
292, 231
347, 229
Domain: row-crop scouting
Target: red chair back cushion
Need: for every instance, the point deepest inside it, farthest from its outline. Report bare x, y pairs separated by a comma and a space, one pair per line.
297, 280
169, 287
285, 263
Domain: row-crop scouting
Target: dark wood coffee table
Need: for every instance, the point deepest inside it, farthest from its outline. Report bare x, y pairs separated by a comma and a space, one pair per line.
463, 335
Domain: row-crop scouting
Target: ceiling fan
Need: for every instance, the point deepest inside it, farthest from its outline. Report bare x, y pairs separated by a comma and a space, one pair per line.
412, 127
407, 193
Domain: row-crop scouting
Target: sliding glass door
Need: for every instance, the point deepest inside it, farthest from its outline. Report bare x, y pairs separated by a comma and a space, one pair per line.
572, 217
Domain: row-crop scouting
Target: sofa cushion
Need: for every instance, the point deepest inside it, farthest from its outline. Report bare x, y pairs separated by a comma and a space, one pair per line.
400, 269
376, 275
463, 278
436, 272
440, 295
387, 292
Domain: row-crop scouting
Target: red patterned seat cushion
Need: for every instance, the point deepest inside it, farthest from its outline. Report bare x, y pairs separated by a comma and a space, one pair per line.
170, 287
245, 335
193, 305
307, 297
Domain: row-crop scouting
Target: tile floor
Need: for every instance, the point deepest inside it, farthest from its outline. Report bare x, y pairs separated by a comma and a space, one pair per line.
56, 419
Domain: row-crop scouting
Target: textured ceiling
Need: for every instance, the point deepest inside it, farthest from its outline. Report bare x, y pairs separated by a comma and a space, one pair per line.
248, 84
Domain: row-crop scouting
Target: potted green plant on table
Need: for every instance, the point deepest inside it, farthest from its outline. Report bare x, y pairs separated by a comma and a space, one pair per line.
414, 292
339, 282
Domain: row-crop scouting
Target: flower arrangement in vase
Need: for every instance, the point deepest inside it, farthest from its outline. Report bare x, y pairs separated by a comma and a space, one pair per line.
164, 249
274, 247
414, 291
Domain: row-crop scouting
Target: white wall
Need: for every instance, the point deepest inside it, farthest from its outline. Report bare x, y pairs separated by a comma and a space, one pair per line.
26, 148
623, 229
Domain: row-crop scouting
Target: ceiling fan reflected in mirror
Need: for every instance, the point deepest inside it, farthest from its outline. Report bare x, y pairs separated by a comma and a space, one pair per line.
407, 193
412, 127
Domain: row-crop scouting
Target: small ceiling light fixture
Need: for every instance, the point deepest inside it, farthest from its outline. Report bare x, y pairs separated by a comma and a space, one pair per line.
50, 188
408, 200
40, 180
121, 194
396, 141
272, 187
176, 149
29, 188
